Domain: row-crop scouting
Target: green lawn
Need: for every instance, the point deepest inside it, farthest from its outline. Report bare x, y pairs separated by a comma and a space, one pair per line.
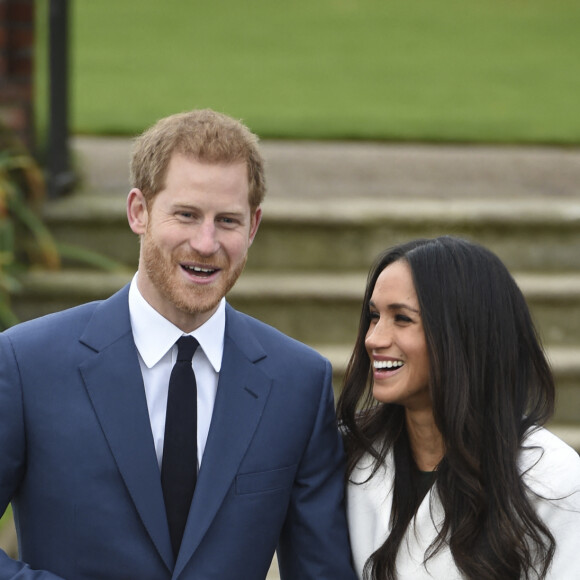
422, 70
7, 515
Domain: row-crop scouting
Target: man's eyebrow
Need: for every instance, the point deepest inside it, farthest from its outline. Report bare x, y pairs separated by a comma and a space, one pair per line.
184, 206
396, 306
191, 207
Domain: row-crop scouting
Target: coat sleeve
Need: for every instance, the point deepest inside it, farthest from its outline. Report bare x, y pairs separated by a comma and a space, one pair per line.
314, 541
553, 478
12, 454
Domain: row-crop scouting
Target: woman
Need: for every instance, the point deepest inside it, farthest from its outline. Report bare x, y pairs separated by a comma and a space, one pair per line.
450, 475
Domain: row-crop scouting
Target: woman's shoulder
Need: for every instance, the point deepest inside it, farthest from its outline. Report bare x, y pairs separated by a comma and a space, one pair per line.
369, 469
549, 465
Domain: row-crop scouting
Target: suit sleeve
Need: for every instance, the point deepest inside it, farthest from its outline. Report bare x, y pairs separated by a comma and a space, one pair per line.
314, 541
12, 454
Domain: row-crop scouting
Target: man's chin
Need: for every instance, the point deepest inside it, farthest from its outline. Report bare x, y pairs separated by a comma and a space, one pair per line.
202, 301
203, 308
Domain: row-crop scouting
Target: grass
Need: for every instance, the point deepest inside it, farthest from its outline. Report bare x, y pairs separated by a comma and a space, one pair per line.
6, 517
501, 71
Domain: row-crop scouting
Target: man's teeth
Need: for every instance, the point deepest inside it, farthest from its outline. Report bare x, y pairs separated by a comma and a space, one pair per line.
201, 270
388, 364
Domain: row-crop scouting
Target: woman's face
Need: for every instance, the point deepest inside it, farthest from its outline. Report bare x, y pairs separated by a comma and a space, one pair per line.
395, 341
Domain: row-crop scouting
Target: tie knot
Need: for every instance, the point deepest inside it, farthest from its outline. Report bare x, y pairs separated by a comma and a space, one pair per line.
186, 347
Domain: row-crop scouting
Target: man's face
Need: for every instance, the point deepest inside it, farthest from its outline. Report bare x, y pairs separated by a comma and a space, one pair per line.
194, 238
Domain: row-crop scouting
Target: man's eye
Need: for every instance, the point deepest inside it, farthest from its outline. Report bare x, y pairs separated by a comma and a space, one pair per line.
228, 221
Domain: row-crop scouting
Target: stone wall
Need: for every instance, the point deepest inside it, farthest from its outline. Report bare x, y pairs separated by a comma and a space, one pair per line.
17, 68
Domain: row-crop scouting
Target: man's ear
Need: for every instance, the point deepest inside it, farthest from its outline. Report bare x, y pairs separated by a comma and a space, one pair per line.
255, 223
137, 213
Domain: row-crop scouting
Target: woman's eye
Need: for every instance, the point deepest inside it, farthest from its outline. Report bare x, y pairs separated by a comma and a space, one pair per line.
402, 318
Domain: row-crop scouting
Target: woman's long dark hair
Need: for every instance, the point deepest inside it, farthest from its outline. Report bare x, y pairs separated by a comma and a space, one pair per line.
490, 383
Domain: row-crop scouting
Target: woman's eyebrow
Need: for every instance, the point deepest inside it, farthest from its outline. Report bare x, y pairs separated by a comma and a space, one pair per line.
395, 306
401, 306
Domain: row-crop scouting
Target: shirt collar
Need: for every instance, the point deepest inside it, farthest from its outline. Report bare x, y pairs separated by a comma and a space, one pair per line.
154, 335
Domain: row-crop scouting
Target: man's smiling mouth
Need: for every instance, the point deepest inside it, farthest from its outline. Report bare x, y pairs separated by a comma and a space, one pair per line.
199, 271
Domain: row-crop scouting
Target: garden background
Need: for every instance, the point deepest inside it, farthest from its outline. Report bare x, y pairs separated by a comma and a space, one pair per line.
500, 71
452, 71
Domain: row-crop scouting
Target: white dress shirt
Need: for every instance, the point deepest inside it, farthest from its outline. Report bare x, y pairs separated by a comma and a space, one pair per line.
155, 338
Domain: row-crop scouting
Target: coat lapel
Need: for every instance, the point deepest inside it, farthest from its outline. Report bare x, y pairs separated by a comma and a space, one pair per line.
241, 396
115, 386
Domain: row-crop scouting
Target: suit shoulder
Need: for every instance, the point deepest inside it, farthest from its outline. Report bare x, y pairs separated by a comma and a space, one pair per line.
52, 325
70, 322
273, 339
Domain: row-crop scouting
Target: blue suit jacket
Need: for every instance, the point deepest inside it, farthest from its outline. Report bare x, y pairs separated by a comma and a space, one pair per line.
77, 457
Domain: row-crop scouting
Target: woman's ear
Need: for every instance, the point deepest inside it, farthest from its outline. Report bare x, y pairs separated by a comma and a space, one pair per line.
137, 213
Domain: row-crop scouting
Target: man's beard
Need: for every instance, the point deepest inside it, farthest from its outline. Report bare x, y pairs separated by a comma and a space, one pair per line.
190, 298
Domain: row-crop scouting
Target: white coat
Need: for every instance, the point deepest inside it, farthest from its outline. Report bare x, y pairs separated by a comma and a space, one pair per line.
552, 470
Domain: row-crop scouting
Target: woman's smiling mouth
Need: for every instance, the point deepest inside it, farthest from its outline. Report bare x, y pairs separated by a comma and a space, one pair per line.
381, 365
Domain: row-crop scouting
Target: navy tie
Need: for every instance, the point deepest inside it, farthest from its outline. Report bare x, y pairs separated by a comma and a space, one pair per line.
179, 464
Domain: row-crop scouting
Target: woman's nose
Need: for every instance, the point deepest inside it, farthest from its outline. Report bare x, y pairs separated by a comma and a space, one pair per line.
379, 336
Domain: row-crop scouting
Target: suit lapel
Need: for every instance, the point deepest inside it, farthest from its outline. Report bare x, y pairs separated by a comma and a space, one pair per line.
114, 383
241, 396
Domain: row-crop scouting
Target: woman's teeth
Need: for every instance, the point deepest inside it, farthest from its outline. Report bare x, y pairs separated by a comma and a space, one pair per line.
388, 364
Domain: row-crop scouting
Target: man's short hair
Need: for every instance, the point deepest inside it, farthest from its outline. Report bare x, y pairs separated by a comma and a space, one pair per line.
206, 136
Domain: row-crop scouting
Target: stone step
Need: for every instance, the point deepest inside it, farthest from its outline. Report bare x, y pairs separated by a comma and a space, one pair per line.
312, 307
565, 362
323, 310
325, 307
343, 169
322, 235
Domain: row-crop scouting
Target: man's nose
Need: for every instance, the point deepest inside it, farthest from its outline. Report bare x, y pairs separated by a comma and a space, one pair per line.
204, 240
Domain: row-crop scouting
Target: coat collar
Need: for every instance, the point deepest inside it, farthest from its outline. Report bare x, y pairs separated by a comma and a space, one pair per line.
113, 381
114, 384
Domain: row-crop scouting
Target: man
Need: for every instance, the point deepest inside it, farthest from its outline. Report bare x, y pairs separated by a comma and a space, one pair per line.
89, 441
